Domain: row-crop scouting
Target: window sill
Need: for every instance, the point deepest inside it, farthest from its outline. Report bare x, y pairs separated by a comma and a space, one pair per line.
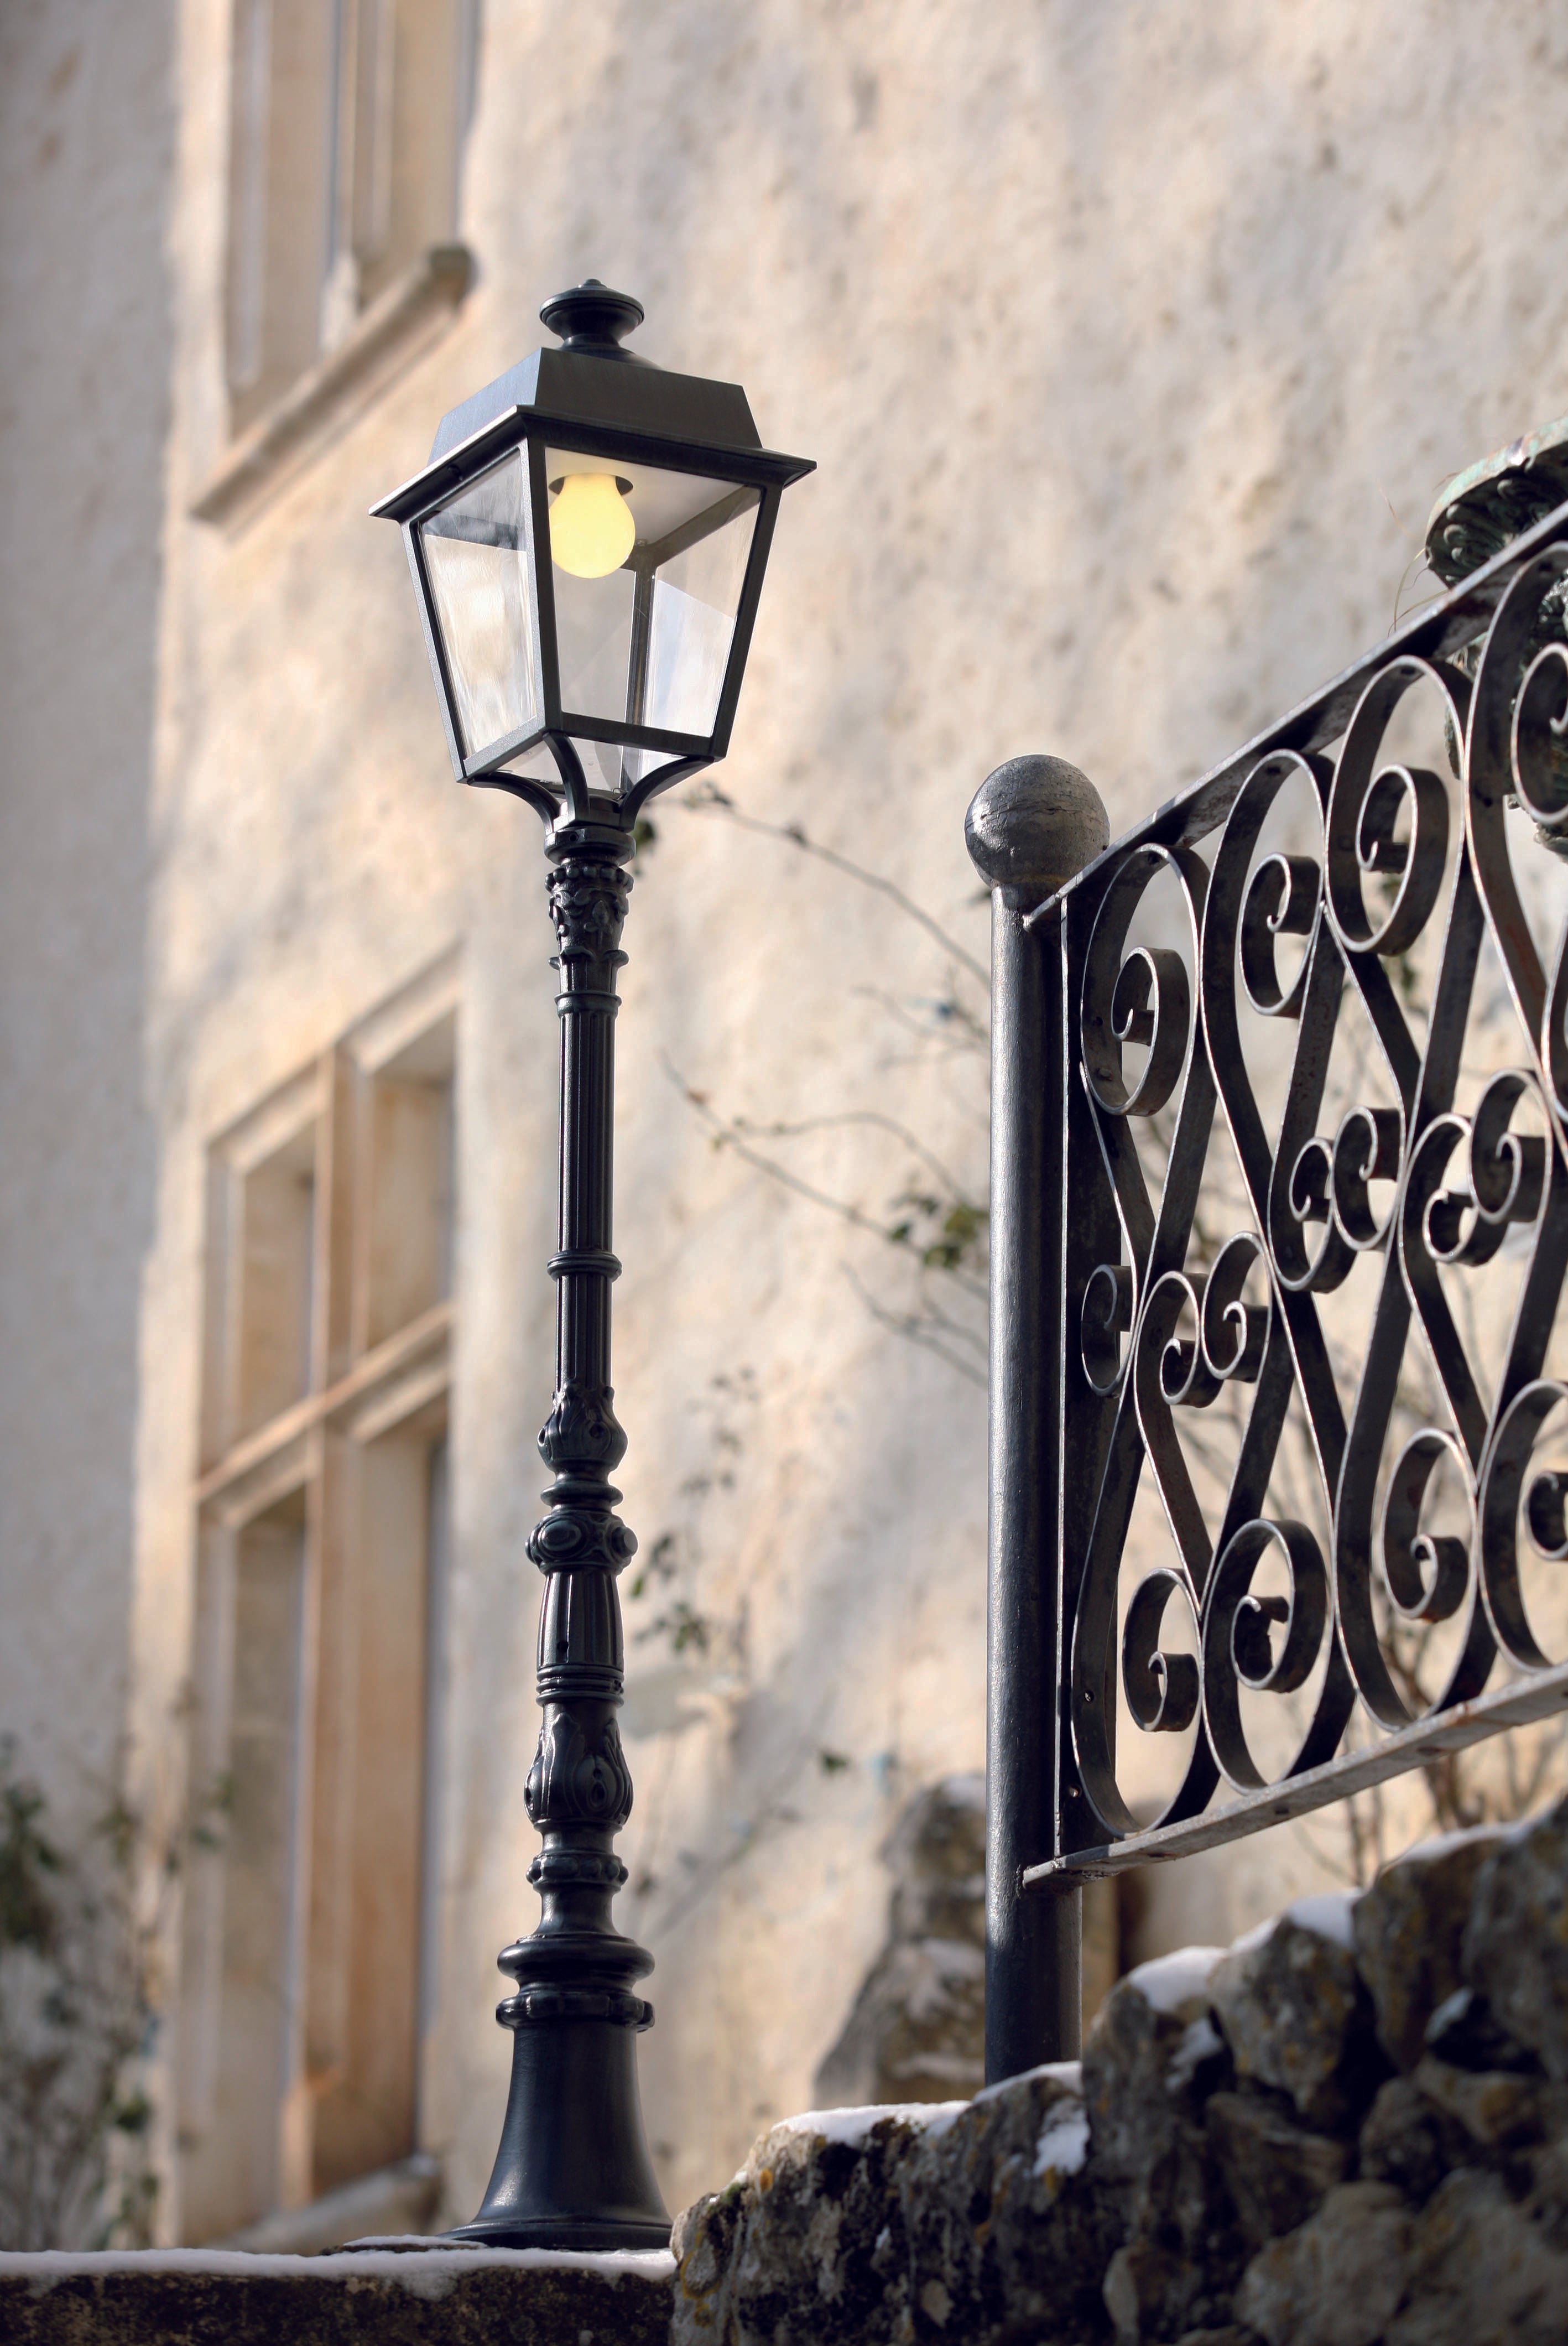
392, 330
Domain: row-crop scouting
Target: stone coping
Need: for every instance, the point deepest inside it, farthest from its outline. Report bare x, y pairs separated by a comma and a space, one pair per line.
395, 2296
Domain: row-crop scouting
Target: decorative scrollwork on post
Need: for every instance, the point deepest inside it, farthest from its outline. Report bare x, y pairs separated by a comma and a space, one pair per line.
1290, 970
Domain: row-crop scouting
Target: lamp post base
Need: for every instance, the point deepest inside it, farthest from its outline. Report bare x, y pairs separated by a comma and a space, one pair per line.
573, 2170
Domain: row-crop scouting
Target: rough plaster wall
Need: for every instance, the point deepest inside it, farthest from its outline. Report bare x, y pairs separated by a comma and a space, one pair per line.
1133, 343
83, 326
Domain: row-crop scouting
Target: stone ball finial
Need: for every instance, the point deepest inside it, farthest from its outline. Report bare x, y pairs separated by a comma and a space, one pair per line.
1034, 823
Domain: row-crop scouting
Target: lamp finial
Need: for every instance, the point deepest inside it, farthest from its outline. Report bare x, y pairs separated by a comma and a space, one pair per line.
592, 320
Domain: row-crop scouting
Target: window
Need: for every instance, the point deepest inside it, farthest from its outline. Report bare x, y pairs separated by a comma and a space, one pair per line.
321, 1511
346, 122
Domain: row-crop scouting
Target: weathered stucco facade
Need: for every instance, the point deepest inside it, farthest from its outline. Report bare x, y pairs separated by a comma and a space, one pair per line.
1132, 345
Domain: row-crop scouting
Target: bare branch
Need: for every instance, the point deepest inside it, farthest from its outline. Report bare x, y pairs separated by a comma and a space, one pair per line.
947, 1023
926, 1329
917, 1148
729, 1136
794, 836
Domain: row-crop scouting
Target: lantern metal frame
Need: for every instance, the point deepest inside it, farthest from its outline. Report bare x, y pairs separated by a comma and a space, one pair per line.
623, 407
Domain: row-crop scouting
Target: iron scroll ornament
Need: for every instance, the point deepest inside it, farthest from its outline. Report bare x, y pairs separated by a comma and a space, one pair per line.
1404, 860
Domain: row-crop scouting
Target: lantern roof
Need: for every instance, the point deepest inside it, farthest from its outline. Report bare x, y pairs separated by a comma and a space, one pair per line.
589, 384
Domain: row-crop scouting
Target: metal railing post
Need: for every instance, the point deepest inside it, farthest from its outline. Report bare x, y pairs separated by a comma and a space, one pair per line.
1032, 824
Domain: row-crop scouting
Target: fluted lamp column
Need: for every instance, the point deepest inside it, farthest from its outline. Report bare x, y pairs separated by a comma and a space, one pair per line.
587, 545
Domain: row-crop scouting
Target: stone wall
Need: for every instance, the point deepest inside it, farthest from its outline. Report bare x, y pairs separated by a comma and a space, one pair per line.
1349, 2130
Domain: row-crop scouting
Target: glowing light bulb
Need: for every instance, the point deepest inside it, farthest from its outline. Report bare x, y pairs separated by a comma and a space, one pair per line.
591, 526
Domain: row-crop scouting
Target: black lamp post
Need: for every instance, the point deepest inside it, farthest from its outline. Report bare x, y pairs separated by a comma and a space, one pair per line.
587, 543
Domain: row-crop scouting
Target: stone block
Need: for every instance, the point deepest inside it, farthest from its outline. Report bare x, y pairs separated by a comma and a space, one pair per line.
1408, 1931
1229, 2333
1141, 2282
1152, 2057
1497, 2109
1480, 2272
1297, 2017
1339, 2280
852, 2227
1515, 1949
1152, 2049
1192, 2184
1276, 2172
917, 2029
1548, 2170
1465, 2032
999, 2211
1408, 2141
808, 2238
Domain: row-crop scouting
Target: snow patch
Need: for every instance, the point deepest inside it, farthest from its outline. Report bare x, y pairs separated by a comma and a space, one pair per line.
1064, 2072
431, 2273
1465, 1837
1064, 2143
1200, 2042
1450, 2009
1171, 1981
1328, 1912
1258, 1936
853, 2125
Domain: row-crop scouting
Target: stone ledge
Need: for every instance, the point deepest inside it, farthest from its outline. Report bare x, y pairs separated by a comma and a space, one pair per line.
212, 2296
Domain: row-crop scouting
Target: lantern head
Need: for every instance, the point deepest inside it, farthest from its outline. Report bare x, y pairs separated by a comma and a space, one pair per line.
587, 543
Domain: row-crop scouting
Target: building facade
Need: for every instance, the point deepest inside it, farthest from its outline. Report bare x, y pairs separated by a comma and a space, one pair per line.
1132, 345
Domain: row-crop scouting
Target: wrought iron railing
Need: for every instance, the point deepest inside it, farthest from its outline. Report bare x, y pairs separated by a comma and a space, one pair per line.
1280, 1194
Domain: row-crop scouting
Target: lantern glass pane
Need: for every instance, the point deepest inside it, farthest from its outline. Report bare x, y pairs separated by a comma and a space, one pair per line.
478, 553
696, 595
647, 641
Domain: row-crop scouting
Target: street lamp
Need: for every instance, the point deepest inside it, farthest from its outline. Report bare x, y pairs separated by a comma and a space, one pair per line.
587, 543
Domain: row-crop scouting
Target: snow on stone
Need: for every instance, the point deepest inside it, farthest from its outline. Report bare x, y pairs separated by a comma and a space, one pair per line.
1064, 2143
1441, 1844
1065, 2073
852, 2127
1170, 1980
1328, 1913
1450, 2009
1200, 2043
1255, 1937
424, 2272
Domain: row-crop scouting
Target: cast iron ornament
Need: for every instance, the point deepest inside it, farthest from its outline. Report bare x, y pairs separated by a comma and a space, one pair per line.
572, 2169
1428, 1186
